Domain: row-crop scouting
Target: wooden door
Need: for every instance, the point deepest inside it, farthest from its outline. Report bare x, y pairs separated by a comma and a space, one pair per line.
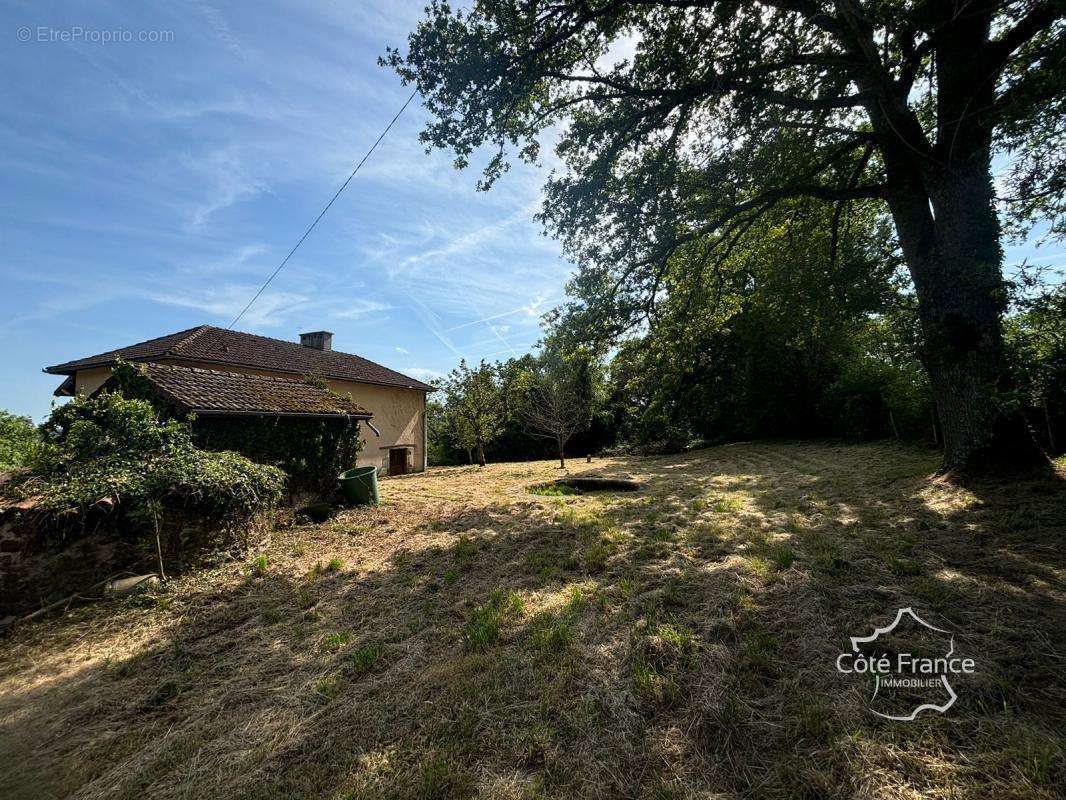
398, 461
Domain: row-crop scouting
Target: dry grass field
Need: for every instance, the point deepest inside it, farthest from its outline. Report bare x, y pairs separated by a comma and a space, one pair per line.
471, 639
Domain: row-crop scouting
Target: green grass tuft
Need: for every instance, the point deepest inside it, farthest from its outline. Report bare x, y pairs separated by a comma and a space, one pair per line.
465, 549
782, 555
650, 685
552, 489
335, 641
365, 659
484, 626
260, 564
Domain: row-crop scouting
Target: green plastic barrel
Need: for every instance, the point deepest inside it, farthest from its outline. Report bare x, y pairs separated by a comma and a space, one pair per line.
360, 485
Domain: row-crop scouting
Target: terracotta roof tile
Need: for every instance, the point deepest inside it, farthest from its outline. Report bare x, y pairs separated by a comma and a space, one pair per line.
206, 391
219, 346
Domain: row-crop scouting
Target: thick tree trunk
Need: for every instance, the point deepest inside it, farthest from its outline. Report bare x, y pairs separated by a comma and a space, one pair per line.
480, 454
562, 457
956, 265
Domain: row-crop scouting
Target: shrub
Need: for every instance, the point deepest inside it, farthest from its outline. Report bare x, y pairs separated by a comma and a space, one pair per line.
17, 439
108, 453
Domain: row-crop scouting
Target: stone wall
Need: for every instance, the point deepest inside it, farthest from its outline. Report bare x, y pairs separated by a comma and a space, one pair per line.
36, 570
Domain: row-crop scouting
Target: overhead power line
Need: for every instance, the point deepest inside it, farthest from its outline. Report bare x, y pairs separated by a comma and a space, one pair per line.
322, 213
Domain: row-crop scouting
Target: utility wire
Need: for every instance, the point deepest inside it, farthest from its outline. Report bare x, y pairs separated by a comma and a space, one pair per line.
322, 213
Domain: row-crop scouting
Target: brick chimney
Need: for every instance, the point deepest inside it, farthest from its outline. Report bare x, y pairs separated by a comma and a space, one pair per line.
319, 340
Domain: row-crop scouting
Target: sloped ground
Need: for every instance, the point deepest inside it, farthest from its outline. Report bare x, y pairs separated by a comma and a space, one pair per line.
472, 639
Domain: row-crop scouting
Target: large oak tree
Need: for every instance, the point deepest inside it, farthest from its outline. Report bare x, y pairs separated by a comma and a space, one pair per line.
724, 109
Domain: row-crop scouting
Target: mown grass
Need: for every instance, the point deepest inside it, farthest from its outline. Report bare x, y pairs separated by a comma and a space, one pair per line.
474, 639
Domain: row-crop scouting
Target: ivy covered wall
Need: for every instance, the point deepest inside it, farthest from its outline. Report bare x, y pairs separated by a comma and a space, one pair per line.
311, 452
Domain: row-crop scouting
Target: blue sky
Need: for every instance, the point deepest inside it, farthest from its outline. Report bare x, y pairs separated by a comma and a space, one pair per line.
151, 186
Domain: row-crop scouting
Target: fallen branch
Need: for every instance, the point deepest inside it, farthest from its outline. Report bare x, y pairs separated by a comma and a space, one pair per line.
8, 625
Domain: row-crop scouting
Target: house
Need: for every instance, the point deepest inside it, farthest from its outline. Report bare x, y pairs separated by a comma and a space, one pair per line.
217, 372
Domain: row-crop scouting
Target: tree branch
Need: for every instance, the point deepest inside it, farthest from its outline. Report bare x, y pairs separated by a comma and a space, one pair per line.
999, 51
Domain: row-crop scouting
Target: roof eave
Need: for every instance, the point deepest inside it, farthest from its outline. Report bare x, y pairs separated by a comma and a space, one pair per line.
68, 369
67, 388
219, 412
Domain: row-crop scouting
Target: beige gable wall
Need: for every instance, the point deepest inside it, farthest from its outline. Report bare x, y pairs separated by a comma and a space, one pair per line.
398, 413
87, 381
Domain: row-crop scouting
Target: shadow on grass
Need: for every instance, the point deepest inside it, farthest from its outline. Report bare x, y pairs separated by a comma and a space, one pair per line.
673, 643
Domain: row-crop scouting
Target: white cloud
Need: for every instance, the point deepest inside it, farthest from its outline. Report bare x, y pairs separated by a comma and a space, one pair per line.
350, 309
422, 374
533, 309
223, 303
226, 180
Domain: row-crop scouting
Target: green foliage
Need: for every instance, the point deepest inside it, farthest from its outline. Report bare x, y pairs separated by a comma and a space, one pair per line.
18, 438
678, 139
108, 451
780, 341
812, 114
474, 411
557, 396
532, 409
311, 452
1036, 346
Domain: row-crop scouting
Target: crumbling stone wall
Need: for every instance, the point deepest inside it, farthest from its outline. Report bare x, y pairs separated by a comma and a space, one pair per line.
35, 571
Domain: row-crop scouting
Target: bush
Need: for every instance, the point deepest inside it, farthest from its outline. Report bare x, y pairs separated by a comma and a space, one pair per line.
108, 452
17, 439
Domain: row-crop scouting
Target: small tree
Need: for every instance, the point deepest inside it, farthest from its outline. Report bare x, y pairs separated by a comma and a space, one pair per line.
558, 400
17, 438
474, 406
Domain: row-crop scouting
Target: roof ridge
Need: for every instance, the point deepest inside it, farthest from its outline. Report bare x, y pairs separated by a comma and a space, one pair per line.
153, 339
196, 332
291, 343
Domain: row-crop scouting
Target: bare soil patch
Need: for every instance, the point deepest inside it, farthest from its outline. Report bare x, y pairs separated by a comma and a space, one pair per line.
470, 639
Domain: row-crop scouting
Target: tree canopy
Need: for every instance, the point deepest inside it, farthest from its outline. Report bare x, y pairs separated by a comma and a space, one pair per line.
681, 124
474, 407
